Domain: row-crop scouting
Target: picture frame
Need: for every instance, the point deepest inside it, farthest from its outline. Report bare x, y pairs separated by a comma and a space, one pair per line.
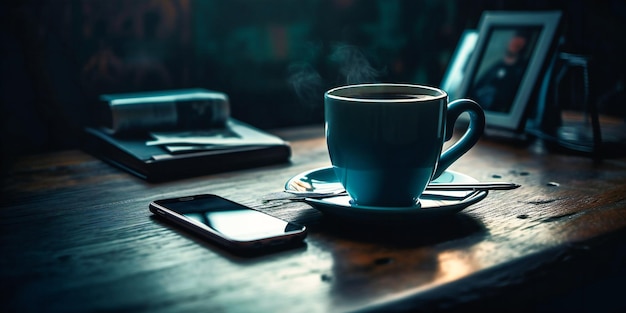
453, 77
509, 57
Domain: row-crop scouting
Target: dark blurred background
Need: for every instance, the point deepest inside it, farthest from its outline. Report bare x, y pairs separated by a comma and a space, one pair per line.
274, 58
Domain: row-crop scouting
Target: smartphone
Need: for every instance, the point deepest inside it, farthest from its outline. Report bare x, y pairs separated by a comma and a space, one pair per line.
230, 224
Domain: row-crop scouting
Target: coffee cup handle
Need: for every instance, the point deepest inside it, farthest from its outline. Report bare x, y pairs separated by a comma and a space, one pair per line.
468, 140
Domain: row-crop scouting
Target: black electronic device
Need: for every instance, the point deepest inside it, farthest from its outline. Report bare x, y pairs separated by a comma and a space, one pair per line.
232, 225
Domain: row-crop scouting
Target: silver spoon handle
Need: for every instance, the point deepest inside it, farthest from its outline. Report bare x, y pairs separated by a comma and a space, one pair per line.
473, 186
431, 187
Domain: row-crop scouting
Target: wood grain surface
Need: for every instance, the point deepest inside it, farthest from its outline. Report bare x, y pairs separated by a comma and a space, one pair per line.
76, 236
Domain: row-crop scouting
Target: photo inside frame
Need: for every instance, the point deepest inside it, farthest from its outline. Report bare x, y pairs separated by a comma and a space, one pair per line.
502, 67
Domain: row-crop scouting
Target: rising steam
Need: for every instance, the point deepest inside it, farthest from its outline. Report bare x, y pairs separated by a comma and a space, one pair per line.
352, 65
306, 82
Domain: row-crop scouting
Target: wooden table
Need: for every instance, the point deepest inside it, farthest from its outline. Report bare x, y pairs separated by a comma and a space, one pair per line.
77, 236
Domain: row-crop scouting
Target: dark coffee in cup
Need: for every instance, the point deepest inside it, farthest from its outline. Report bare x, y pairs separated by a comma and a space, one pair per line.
391, 96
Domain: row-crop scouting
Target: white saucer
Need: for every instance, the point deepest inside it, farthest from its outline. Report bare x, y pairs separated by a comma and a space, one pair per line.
432, 205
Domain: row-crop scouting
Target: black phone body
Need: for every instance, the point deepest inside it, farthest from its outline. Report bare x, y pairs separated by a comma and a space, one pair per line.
230, 224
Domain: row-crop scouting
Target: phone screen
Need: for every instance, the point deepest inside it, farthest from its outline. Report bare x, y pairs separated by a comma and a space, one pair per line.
230, 219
